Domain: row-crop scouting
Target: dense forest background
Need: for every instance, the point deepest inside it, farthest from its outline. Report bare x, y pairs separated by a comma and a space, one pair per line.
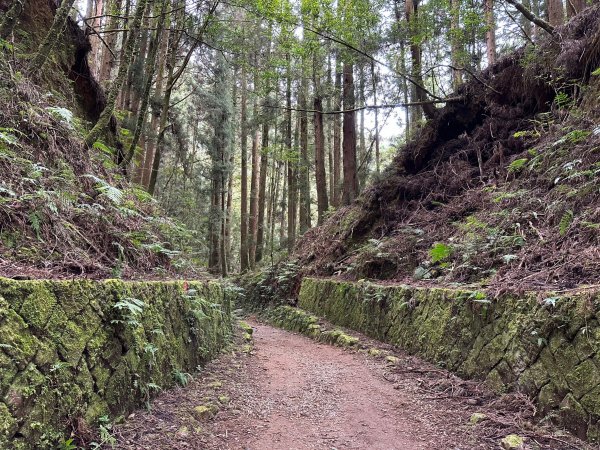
250, 122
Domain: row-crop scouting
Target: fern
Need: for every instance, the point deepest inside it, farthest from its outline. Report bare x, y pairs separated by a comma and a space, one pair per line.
114, 194
565, 222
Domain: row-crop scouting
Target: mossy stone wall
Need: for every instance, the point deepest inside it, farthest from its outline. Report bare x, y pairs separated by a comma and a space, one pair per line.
74, 351
546, 346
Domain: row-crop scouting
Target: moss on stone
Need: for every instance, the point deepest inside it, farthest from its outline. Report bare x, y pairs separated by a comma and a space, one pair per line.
512, 342
205, 412
64, 357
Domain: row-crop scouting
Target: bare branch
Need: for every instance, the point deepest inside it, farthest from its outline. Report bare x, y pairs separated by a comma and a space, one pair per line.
532, 17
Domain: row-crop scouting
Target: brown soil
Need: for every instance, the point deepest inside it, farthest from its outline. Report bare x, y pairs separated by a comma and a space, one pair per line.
293, 393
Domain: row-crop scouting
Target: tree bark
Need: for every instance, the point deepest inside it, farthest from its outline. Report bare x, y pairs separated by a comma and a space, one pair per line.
108, 61
337, 141
350, 190
254, 200
244, 262
556, 12
455, 43
264, 162
490, 33
320, 174
149, 74
292, 166
52, 37
304, 176
420, 94
377, 155
107, 113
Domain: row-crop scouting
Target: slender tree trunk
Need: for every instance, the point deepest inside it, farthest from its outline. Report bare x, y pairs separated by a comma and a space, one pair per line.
143, 174
490, 33
574, 7
363, 163
292, 166
108, 61
254, 200
420, 95
304, 175
244, 262
456, 46
349, 138
264, 161
52, 37
377, 155
556, 12
106, 114
337, 139
320, 175
149, 73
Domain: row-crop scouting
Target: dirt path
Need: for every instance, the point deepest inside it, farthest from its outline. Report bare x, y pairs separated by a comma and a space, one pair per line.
294, 393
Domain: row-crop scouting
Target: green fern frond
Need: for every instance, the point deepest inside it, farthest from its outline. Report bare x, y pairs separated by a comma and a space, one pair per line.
565, 222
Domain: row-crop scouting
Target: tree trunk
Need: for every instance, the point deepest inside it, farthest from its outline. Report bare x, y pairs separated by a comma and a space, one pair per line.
108, 61
556, 12
337, 141
574, 7
490, 34
292, 166
52, 37
377, 155
254, 200
320, 175
349, 138
420, 95
456, 46
362, 159
304, 175
149, 73
244, 262
107, 113
264, 161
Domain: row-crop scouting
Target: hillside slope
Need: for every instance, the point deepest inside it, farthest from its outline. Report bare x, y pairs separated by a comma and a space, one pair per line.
501, 188
65, 209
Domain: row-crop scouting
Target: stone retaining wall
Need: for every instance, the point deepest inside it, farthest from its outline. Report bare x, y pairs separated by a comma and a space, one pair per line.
547, 346
72, 352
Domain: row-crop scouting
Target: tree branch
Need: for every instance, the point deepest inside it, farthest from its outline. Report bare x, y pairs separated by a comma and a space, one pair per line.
360, 108
532, 17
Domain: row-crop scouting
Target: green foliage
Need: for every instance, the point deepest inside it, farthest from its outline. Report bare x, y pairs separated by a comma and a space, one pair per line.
517, 165
181, 378
596, 72
108, 191
64, 115
440, 252
565, 222
68, 445
130, 310
562, 100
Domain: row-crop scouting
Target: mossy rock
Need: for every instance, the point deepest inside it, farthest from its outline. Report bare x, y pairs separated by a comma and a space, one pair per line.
206, 412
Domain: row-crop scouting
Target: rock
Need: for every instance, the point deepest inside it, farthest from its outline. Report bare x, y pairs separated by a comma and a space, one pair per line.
247, 337
374, 352
205, 412
246, 327
215, 384
513, 442
223, 399
391, 359
477, 417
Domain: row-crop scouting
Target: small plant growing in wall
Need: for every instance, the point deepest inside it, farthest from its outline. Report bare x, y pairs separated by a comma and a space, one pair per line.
129, 310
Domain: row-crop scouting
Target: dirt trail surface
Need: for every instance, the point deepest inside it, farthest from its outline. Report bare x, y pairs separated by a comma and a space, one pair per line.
290, 392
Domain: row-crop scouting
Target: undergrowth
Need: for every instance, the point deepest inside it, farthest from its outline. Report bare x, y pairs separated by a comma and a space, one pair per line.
67, 210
